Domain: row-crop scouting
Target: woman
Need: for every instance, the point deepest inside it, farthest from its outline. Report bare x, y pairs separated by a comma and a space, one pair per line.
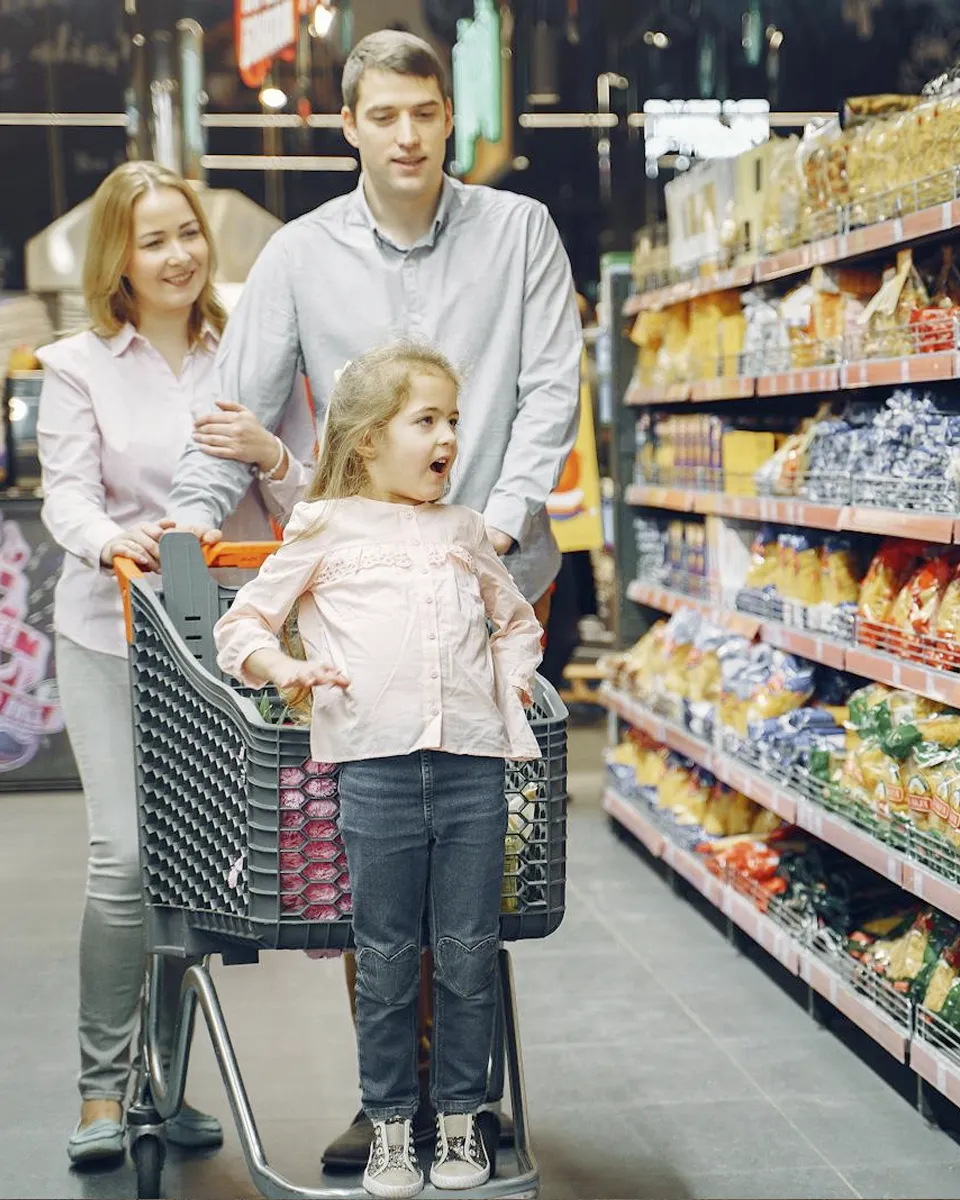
119, 403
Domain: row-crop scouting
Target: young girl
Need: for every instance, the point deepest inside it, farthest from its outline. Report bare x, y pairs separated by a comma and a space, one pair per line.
120, 403
421, 706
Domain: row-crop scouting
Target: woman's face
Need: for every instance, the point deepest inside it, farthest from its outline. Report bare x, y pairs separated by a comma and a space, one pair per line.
170, 260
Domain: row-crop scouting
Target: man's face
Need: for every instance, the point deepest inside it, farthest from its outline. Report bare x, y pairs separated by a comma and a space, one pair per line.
400, 126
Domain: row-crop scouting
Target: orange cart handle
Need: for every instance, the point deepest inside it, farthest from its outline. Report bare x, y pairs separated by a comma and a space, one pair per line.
249, 555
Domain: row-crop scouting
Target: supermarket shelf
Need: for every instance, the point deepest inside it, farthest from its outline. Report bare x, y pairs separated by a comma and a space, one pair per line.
808, 645
855, 1007
893, 372
890, 522
740, 909
870, 239
932, 888
881, 372
828, 826
933, 1066
632, 819
800, 382
885, 522
776, 941
638, 396
689, 289
907, 676
730, 387
941, 686
840, 834
670, 601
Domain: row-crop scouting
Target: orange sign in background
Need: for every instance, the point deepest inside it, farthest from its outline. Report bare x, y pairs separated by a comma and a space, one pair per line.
574, 505
262, 31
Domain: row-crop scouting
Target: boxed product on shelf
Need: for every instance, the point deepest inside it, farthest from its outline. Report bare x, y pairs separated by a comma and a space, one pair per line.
651, 256
767, 209
700, 215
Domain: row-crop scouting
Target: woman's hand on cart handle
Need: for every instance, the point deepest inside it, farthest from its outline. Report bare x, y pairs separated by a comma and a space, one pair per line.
207, 537
141, 543
286, 673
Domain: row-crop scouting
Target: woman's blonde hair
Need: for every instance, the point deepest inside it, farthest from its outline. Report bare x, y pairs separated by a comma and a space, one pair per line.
110, 299
368, 394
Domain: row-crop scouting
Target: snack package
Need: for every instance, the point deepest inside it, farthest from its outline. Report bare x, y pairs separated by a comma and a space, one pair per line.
946, 628
916, 607
840, 572
942, 995
886, 575
763, 567
806, 586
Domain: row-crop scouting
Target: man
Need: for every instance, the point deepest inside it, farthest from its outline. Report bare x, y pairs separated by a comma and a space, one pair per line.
480, 274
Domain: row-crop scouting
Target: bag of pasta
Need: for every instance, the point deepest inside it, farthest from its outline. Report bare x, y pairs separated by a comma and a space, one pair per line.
931, 775
946, 628
886, 575
840, 572
806, 564
942, 995
762, 570
788, 685
872, 780
915, 609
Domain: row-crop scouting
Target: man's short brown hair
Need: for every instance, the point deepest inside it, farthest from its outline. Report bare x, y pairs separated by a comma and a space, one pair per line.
391, 50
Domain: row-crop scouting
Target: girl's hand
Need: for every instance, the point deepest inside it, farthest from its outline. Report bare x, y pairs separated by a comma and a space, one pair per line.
235, 433
141, 543
293, 673
525, 698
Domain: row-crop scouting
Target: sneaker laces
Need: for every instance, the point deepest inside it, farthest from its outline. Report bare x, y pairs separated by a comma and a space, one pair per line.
465, 1146
392, 1145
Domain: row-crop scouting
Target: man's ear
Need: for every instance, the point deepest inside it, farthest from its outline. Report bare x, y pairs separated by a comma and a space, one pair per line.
447, 117
349, 127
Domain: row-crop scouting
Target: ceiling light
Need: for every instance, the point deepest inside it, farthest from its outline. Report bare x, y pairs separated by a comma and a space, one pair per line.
273, 98
656, 38
776, 39
322, 22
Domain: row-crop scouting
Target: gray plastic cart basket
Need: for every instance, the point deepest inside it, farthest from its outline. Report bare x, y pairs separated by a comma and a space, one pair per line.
240, 850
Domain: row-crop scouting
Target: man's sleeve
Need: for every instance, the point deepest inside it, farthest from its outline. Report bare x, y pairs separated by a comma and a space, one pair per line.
256, 367
545, 426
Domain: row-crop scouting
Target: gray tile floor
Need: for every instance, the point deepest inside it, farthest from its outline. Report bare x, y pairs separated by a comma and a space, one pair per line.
661, 1062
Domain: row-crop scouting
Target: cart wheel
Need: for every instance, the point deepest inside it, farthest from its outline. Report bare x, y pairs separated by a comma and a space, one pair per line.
148, 1155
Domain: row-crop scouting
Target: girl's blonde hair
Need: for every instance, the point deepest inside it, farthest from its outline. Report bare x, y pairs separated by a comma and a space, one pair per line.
368, 394
110, 299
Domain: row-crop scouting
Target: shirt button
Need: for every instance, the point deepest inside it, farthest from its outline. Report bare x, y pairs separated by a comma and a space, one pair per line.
433, 637
434, 674
429, 599
408, 513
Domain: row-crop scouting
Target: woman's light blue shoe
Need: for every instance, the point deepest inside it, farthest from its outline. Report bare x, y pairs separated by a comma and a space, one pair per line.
194, 1130
101, 1139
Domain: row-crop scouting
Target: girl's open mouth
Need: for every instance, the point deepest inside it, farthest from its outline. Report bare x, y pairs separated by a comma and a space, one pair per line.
439, 466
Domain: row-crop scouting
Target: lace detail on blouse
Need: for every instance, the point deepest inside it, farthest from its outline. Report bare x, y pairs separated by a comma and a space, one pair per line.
340, 564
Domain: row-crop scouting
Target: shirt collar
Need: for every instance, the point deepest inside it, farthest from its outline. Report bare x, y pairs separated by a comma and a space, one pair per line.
449, 196
122, 341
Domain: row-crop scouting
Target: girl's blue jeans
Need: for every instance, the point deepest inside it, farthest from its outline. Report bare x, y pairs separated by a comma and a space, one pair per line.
424, 836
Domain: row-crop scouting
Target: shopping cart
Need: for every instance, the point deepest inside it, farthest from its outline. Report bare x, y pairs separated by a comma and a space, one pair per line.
240, 853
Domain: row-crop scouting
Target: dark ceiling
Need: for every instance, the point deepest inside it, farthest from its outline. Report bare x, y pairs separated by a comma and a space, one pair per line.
62, 54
